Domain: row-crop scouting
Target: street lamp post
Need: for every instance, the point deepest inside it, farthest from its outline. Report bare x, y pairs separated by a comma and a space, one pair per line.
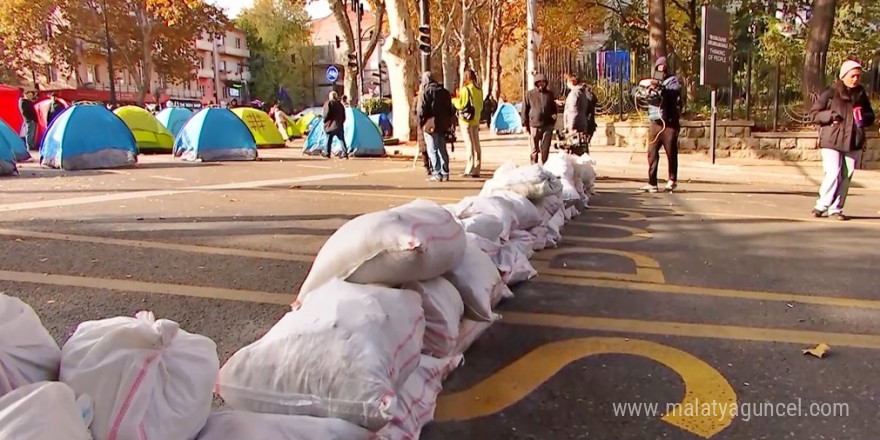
110, 70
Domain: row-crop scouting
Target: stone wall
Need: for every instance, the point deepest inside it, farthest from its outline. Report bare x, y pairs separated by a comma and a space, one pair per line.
735, 139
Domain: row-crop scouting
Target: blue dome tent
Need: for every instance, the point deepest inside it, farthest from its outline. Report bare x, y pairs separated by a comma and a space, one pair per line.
16, 145
383, 122
361, 135
506, 120
8, 139
215, 134
174, 118
88, 137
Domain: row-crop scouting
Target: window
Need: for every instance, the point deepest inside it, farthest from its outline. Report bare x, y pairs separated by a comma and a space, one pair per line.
202, 63
202, 90
91, 74
237, 43
222, 66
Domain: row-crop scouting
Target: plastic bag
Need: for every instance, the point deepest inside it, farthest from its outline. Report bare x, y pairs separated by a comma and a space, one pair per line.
147, 377
478, 281
418, 398
443, 311
344, 353
499, 207
412, 242
45, 411
243, 425
28, 353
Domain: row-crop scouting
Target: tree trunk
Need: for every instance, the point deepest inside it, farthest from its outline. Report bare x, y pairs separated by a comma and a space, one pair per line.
403, 67
464, 37
657, 29
450, 68
496, 63
818, 38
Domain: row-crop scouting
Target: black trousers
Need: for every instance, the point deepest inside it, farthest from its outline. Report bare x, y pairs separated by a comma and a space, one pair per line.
668, 139
540, 138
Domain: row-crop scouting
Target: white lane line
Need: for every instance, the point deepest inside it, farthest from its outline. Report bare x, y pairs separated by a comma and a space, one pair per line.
23, 206
173, 179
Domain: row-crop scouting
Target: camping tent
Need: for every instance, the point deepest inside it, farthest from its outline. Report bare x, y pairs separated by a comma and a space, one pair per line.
262, 127
317, 111
149, 133
87, 137
506, 120
304, 123
215, 134
361, 136
9, 142
383, 122
173, 118
10, 138
9, 111
42, 109
293, 130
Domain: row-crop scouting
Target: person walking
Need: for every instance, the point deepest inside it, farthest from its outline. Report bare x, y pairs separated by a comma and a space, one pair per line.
842, 113
539, 117
436, 116
334, 123
420, 136
664, 111
29, 114
579, 114
469, 105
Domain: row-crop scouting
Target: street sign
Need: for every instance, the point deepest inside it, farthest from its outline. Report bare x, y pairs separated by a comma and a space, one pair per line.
715, 51
332, 74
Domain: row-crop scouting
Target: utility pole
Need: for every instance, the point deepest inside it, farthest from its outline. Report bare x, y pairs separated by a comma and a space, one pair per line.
110, 70
425, 34
533, 41
358, 7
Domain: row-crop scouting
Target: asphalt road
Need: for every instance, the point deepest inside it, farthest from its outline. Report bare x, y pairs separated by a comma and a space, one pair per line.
706, 295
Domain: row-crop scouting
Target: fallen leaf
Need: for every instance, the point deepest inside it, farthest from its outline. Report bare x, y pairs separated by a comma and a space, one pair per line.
819, 351
51, 301
43, 260
19, 240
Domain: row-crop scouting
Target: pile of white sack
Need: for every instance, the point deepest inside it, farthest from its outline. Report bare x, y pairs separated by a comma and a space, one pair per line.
392, 301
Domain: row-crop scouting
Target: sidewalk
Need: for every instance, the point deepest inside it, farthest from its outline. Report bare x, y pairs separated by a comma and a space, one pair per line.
696, 167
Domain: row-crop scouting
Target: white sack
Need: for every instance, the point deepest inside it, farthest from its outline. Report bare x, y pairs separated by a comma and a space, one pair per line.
523, 241
416, 241
418, 398
243, 425
344, 353
554, 226
147, 377
478, 281
505, 168
28, 353
533, 182
539, 237
586, 166
498, 207
491, 248
443, 311
45, 411
515, 266
468, 332
549, 205
563, 166
487, 226
527, 214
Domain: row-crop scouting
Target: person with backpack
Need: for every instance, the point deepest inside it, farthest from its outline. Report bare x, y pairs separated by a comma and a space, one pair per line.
842, 112
664, 111
469, 105
436, 116
334, 124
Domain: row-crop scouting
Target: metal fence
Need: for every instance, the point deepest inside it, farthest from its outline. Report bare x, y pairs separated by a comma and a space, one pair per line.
769, 94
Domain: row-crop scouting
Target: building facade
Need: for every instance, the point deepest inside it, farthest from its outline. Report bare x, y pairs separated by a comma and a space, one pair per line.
220, 76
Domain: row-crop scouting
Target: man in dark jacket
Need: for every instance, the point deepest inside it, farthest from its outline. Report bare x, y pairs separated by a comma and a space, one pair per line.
539, 117
436, 116
29, 114
665, 114
334, 123
55, 109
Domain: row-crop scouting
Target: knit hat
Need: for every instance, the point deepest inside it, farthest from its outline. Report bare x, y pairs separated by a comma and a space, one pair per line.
848, 66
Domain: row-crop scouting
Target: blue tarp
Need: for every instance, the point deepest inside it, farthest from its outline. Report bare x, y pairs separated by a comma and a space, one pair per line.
506, 120
9, 141
86, 137
174, 118
383, 122
215, 134
361, 136
16, 144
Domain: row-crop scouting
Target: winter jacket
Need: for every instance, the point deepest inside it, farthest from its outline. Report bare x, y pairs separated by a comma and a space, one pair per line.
580, 110
833, 111
28, 112
539, 109
334, 116
469, 93
436, 102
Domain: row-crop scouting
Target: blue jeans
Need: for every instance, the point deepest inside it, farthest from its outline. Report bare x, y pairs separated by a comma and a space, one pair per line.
338, 134
436, 143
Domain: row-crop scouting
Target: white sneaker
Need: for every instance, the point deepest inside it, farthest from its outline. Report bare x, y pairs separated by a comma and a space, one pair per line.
671, 185
649, 188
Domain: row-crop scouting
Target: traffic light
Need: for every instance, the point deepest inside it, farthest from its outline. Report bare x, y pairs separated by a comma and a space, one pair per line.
338, 42
352, 61
425, 39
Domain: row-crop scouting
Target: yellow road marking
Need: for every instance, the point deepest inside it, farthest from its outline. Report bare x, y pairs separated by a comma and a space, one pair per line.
636, 234
703, 384
647, 269
160, 245
148, 287
677, 289
711, 331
